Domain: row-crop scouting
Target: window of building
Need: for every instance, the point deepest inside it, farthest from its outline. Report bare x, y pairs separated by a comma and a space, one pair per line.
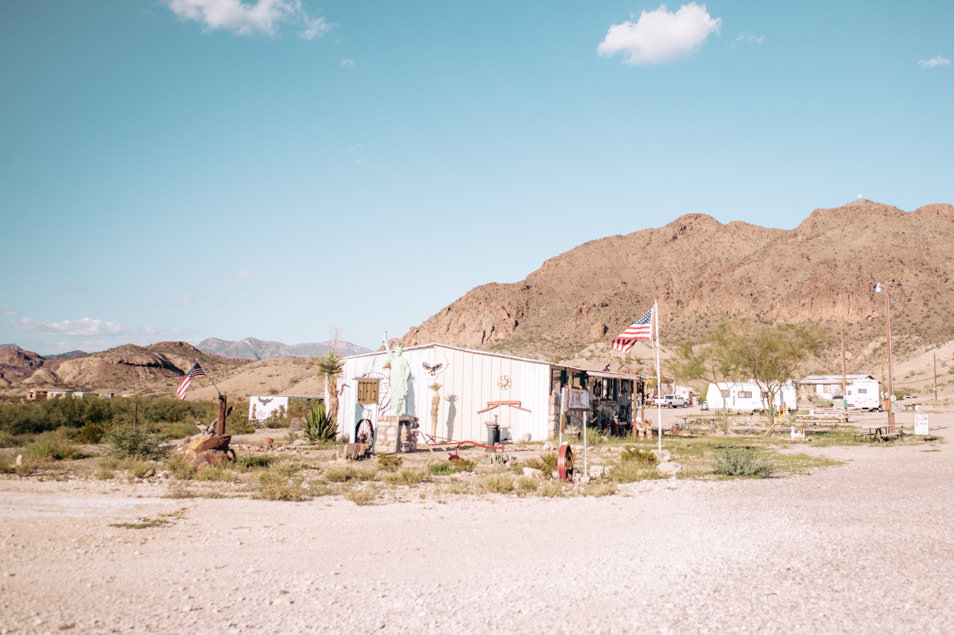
744, 394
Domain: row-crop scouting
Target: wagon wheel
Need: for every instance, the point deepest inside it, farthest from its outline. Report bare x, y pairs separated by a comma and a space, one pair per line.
565, 462
364, 433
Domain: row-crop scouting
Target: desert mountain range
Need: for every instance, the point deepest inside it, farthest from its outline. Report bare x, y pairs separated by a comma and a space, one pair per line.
701, 271
251, 348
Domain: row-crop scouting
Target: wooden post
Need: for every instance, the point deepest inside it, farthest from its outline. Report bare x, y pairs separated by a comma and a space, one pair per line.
135, 414
220, 422
844, 374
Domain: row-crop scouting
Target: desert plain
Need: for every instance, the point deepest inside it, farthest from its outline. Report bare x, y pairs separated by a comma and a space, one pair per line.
861, 546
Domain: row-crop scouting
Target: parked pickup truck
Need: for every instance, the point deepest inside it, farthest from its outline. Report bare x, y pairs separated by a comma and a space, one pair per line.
675, 401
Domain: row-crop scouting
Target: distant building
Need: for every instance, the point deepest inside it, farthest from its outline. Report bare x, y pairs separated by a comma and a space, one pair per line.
36, 395
863, 391
747, 396
261, 408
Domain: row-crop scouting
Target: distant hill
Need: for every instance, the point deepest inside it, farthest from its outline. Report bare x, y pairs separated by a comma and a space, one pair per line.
66, 355
251, 348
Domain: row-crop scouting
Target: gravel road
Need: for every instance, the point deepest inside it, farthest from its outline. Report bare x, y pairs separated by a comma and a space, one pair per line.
862, 547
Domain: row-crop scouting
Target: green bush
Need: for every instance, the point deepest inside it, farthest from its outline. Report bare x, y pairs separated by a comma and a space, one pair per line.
50, 446
319, 427
633, 464
748, 462
546, 463
135, 442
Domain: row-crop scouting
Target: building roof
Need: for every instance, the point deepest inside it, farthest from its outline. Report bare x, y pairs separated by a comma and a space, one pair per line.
591, 373
832, 379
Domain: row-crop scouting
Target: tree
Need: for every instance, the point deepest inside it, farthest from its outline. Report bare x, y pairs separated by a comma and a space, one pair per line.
771, 354
330, 367
739, 350
712, 361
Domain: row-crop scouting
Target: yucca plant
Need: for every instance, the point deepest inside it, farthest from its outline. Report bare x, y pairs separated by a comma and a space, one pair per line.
319, 426
330, 368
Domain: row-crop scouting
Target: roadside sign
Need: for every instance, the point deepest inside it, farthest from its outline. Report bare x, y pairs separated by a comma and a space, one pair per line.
920, 423
578, 399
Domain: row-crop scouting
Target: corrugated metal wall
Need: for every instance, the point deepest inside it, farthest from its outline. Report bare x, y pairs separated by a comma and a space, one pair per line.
469, 380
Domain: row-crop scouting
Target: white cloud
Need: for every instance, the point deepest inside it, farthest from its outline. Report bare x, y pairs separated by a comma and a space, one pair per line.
8, 312
248, 19
84, 327
659, 35
937, 60
748, 38
347, 64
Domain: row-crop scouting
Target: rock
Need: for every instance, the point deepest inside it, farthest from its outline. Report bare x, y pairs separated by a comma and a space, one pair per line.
663, 456
532, 472
669, 468
597, 471
547, 447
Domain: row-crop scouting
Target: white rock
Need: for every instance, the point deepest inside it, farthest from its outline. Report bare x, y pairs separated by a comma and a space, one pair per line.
669, 468
532, 472
663, 456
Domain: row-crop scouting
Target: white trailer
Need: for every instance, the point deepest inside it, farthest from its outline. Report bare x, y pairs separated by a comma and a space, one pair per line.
863, 390
746, 396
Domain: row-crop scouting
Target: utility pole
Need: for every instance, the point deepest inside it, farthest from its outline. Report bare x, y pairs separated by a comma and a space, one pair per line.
844, 372
935, 375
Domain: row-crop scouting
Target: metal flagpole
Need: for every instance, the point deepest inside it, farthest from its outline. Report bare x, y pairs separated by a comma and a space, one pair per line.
658, 376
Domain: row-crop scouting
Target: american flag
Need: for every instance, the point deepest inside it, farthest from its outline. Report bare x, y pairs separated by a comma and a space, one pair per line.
184, 384
641, 329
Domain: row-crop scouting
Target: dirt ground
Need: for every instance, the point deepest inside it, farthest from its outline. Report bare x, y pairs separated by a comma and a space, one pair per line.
862, 546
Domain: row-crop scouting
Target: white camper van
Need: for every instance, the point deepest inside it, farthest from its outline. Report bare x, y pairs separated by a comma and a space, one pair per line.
746, 396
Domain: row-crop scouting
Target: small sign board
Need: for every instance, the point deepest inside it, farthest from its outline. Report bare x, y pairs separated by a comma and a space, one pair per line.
920, 423
578, 399
368, 391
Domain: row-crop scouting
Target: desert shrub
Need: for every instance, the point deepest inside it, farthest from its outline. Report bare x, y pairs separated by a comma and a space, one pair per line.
135, 442
496, 484
389, 462
8, 440
221, 474
526, 485
444, 467
551, 489
361, 495
51, 446
281, 483
409, 476
179, 467
253, 462
633, 464
599, 489
748, 462
546, 463
463, 465
319, 425
345, 473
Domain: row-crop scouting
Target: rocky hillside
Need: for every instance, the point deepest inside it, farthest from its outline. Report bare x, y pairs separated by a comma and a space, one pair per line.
703, 271
157, 368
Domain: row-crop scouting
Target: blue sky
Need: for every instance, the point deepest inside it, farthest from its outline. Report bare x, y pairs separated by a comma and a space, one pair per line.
280, 169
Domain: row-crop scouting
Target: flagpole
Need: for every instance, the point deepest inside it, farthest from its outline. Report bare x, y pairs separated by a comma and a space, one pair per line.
209, 376
658, 375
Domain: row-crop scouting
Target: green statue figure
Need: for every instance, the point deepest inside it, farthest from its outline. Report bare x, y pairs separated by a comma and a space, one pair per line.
400, 373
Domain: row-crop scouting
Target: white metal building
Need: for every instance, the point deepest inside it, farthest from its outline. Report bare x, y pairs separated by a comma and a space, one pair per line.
470, 381
746, 396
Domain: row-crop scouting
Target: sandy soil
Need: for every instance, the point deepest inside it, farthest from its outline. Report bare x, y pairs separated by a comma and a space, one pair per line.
864, 546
